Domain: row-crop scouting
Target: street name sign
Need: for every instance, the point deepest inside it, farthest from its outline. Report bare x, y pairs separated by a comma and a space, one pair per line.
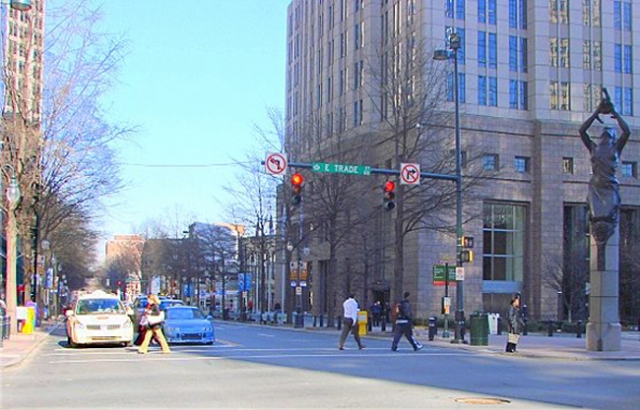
438, 275
341, 168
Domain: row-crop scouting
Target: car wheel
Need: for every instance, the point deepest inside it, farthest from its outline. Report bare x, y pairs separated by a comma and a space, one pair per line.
209, 343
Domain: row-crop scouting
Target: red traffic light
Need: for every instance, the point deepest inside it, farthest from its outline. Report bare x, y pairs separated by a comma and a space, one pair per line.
389, 186
297, 179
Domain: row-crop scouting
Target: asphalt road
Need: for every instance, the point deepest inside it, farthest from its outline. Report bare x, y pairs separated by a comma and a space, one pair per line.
262, 367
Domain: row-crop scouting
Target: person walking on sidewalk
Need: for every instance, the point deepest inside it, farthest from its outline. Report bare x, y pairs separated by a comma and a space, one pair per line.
403, 324
515, 324
152, 321
349, 321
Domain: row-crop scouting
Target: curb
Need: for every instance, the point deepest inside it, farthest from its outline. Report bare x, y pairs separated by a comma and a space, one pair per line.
39, 339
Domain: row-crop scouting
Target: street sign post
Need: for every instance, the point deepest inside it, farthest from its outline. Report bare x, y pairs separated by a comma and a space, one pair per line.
341, 168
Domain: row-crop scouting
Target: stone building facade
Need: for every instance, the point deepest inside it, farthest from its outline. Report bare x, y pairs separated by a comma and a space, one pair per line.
531, 71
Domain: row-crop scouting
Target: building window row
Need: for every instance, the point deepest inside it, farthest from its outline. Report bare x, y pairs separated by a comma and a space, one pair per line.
559, 48
488, 11
518, 48
459, 9
559, 11
622, 58
622, 17
592, 55
591, 13
560, 96
518, 14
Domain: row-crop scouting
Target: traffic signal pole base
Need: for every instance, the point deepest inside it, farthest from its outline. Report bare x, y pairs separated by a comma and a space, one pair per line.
460, 328
299, 319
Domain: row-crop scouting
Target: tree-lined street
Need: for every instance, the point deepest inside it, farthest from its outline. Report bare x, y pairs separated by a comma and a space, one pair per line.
268, 367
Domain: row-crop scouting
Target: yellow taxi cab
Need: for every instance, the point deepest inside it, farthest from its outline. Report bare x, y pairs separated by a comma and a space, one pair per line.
98, 318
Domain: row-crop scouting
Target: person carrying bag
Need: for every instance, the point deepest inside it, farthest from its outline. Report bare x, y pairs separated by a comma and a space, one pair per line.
152, 322
515, 324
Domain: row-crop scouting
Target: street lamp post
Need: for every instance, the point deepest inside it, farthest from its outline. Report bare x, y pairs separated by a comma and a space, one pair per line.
13, 196
454, 44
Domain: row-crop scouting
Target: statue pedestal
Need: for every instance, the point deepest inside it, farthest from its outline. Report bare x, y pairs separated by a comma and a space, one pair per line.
604, 330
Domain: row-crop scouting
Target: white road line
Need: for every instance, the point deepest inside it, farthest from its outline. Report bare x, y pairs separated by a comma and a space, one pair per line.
266, 335
160, 357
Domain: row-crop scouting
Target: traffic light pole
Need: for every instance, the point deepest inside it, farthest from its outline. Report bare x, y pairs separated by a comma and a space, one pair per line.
299, 322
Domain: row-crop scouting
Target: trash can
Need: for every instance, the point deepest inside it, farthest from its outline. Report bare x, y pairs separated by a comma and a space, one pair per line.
362, 322
433, 327
479, 329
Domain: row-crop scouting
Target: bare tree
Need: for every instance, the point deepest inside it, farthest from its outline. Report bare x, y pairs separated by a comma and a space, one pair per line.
409, 91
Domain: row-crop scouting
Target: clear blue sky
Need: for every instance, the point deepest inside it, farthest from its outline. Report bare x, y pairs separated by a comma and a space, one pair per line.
198, 77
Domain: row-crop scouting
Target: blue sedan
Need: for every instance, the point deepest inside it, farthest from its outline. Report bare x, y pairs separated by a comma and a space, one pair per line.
187, 324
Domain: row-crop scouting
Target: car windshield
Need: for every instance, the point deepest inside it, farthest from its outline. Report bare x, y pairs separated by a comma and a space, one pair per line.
184, 314
99, 306
168, 303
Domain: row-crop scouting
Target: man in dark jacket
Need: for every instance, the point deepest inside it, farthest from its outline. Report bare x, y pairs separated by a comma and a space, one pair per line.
403, 324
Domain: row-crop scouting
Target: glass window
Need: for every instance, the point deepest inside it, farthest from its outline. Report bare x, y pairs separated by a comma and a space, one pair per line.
460, 9
563, 11
595, 13
524, 95
482, 11
493, 50
482, 90
617, 15
617, 58
628, 101
513, 94
493, 12
493, 91
513, 14
629, 169
554, 91
597, 55
450, 86
553, 45
628, 60
513, 53
461, 53
522, 164
553, 11
448, 12
586, 55
462, 86
524, 60
490, 162
523, 14
567, 165
564, 52
482, 48
503, 242
565, 96
627, 16
617, 96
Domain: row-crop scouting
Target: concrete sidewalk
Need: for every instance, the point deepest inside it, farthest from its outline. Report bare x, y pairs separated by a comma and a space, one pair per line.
537, 345
20, 346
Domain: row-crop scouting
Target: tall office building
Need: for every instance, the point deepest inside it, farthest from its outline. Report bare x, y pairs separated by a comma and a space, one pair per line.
530, 73
22, 58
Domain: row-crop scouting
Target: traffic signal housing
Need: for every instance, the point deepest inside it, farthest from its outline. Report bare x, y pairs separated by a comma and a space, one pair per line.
389, 195
297, 180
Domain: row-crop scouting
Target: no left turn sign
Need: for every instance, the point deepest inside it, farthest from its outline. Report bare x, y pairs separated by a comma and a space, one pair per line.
276, 164
410, 174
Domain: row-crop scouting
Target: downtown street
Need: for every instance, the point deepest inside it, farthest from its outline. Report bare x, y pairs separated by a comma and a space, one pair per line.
253, 366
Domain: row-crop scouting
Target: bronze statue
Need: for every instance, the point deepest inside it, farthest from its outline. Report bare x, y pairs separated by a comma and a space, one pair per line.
604, 196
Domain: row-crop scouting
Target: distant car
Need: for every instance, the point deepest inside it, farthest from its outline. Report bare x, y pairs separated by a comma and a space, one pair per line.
187, 324
98, 318
166, 303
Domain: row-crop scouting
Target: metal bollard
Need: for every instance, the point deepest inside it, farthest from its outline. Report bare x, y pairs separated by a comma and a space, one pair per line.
433, 327
524, 330
339, 323
322, 320
499, 332
550, 328
383, 324
314, 321
579, 329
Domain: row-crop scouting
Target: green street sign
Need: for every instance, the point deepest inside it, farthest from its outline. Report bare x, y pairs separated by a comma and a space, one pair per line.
438, 273
341, 168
